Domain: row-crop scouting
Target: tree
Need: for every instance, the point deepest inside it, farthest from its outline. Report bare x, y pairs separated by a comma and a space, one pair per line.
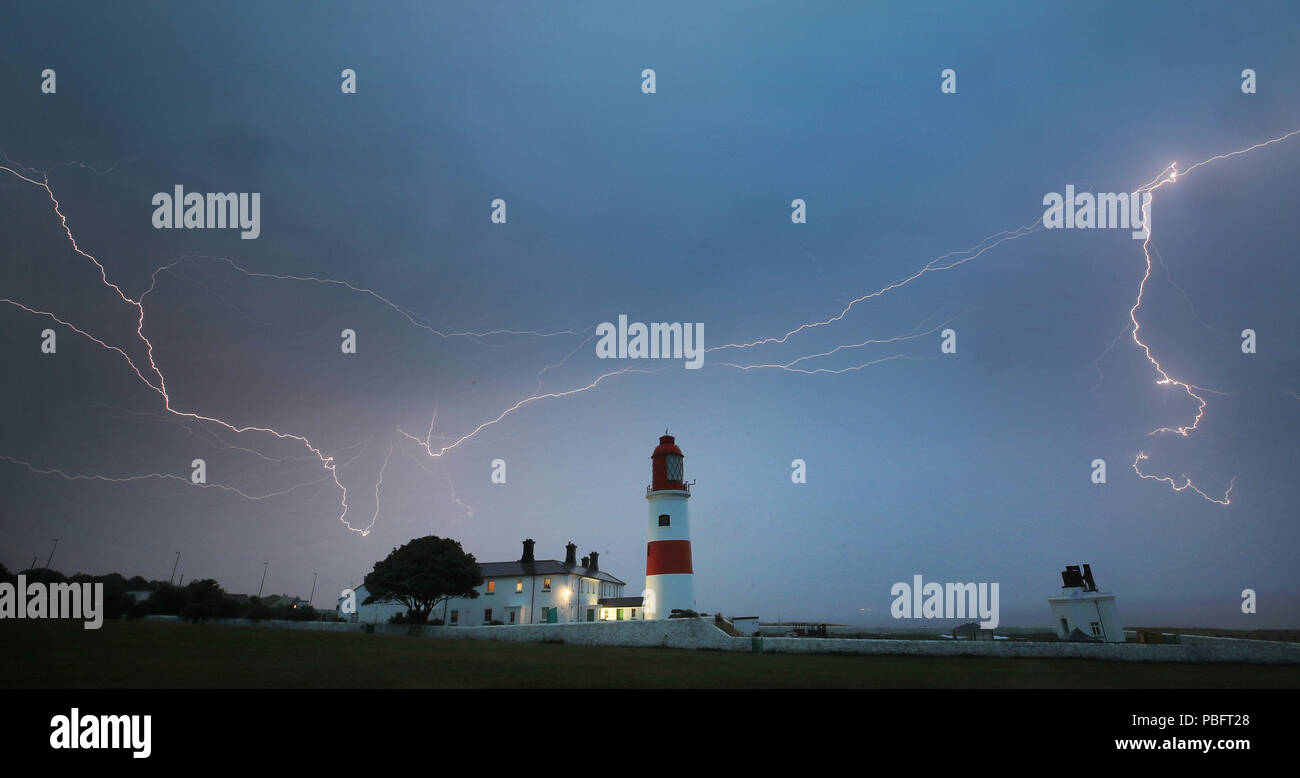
42, 575
168, 600
423, 574
204, 590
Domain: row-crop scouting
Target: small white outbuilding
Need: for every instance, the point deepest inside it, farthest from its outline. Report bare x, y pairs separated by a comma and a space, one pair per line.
1080, 612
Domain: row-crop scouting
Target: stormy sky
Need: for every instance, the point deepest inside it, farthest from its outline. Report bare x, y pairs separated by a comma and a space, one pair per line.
667, 207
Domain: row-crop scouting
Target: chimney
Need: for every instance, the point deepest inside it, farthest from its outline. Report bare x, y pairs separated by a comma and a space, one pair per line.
1087, 579
571, 554
595, 561
586, 561
528, 551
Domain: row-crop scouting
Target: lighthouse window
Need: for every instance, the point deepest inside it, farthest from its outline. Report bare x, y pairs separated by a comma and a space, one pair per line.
663, 520
519, 586
546, 584
674, 463
492, 587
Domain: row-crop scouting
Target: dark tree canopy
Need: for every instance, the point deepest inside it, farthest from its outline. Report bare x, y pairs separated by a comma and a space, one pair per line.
422, 574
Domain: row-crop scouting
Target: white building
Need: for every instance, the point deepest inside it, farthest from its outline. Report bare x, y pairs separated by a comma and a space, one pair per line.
526, 591
1081, 607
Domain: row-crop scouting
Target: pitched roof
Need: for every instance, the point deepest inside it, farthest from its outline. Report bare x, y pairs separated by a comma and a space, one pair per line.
542, 567
621, 602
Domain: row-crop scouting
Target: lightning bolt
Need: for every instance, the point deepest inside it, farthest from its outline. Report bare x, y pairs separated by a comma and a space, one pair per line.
155, 380
1169, 175
938, 264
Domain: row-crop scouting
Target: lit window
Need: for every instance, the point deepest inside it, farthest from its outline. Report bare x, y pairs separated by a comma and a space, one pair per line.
546, 584
492, 587
519, 586
663, 520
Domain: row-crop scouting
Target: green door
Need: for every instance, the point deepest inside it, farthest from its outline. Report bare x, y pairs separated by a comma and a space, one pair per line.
618, 611
591, 614
552, 615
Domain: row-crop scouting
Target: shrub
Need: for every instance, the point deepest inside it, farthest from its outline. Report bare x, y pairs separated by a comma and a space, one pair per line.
198, 612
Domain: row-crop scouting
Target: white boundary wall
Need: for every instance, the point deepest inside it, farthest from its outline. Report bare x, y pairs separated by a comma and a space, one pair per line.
700, 633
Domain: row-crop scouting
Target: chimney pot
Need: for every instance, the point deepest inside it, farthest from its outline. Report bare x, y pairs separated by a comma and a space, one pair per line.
528, 551
571, 554
595, 561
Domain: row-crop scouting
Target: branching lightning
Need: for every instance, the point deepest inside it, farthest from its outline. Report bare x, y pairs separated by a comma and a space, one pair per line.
153, 377
1169, 175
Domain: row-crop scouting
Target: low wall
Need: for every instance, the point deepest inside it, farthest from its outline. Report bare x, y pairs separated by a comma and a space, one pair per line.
841, 630
700, 633
1225, 650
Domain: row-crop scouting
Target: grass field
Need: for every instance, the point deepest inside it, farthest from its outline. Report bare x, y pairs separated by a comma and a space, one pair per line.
143, 654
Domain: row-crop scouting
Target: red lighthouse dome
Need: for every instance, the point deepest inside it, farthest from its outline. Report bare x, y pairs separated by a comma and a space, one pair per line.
667, 470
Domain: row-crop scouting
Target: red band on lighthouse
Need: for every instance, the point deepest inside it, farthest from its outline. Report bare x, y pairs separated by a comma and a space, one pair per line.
668, 557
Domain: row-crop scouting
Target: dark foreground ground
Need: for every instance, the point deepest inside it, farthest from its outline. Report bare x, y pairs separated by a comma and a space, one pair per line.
141, 654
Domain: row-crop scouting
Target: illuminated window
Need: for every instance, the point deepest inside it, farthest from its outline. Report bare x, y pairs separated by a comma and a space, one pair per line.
519, 586
663, 520
546, 584
492, 587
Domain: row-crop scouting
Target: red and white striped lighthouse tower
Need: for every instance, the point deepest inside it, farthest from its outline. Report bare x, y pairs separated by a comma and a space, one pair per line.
669, 576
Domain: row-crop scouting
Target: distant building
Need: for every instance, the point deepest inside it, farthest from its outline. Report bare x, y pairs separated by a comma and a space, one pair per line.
1081, 607
971, 630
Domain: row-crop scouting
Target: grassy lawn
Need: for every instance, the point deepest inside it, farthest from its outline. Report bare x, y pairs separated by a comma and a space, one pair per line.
140, 654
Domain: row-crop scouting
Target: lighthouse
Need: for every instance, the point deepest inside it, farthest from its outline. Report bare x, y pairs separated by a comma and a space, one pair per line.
669, 576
